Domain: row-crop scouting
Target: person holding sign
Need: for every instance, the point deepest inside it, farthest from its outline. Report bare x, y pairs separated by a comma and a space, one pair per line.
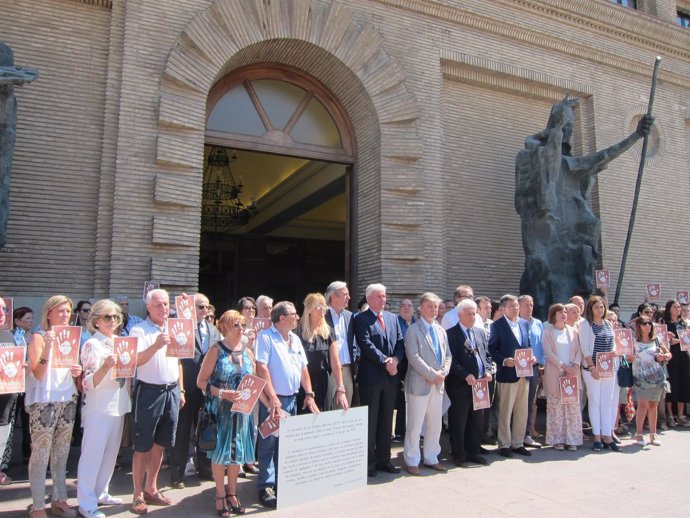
509, 334
563, 358
596, 336
282, 364
106, 401
648, 377
157, 401
222, 370
10, 368
205, 335
678, 367
51, 401
468, 349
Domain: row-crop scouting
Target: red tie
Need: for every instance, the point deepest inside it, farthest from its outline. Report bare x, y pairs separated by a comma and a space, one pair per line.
380, 317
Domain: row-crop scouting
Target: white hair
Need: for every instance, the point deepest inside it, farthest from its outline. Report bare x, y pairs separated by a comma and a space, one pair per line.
262, 298
332, 288
466, 303
158, 291
372, 288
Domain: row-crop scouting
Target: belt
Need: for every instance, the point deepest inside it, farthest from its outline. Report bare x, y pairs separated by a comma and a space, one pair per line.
165, 386
291, 395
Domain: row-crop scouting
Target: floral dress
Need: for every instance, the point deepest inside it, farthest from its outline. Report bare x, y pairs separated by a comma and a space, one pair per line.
235, 443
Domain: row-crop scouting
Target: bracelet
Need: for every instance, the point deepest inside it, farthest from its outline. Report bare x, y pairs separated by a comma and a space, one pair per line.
183, 391
220, 393
341, 388
42, 361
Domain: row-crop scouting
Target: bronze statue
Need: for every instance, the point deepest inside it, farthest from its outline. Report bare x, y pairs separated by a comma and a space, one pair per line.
560, 233
9, 76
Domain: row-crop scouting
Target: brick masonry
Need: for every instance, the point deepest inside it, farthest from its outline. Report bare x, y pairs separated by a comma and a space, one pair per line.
440, 95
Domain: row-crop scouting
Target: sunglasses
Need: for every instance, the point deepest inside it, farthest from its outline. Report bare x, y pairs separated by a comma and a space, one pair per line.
237, 324
202, 306
321, 307
645, 323
253, 308
5, 309
110, 318
85, 310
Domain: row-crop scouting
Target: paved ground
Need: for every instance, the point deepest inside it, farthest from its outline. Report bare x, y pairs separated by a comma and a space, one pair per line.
653, 481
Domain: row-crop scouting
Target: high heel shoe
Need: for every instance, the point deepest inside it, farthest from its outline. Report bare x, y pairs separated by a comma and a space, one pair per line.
237, 509
223, 511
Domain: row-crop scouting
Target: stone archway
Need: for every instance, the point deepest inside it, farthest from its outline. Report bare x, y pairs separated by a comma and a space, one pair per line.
322, 39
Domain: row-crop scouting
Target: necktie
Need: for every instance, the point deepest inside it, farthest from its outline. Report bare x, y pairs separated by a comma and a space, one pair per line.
437, 346
380, 318
202, 338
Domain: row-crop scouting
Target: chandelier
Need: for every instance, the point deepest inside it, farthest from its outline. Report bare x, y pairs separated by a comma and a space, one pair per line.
221, 207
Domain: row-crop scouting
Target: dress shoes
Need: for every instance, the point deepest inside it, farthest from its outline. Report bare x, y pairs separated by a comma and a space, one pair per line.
414, 470
459, 461
505, 452
484, 451
478, 459
108, 499
371, 471
178, 484
388, 468
268, 498
522, 451
437, 467
490, 440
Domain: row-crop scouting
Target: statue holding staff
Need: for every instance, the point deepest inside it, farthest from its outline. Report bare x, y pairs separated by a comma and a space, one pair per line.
10, 76
560, 232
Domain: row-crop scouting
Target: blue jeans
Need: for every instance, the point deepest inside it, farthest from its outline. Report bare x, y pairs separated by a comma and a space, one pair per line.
268, 448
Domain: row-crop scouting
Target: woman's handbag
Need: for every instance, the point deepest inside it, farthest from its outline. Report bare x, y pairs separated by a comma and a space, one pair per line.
625, 374
206, 427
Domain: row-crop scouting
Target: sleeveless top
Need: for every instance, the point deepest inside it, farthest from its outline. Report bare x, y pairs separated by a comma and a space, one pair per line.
56, 386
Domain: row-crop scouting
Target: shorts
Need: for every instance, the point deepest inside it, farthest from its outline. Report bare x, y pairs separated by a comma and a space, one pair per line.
154, 411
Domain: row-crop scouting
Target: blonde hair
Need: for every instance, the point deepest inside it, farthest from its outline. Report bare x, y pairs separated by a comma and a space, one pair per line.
99, 309
227, 319
51, 304
322, 329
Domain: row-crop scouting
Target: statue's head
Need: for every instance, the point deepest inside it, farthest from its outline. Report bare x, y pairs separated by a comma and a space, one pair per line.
6, 55
564, 110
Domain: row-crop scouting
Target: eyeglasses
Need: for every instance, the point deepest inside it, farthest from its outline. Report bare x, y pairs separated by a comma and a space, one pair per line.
85, 310
251, 308
648, 312
645, 323
321, 307
110, 318
237, 324
210, 318
203, 306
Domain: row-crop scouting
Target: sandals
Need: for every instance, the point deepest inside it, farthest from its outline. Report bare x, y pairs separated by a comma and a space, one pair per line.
237, 509
62, 508
32, 512
223, 511
4, 479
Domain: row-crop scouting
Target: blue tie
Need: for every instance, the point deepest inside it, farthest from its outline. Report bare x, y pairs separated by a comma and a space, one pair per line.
434, 341
203, 339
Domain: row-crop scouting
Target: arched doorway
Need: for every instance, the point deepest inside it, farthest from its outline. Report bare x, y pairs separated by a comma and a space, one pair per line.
278, 158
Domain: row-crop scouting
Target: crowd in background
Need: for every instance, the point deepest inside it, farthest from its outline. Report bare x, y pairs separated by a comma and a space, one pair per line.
418, 372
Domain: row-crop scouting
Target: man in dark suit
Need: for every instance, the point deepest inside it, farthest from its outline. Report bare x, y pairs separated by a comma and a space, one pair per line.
468, 347
340, 320
507, 335
381, 345
205, 335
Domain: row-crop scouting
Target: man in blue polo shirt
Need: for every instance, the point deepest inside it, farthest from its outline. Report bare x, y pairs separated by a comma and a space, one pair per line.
281, 362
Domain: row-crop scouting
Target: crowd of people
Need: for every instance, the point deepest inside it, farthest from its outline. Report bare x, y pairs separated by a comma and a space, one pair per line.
434, 357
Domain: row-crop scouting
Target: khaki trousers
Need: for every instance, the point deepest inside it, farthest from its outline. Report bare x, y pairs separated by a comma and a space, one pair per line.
512, 405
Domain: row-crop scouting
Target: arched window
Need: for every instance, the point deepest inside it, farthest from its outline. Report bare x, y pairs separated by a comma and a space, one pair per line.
278, 110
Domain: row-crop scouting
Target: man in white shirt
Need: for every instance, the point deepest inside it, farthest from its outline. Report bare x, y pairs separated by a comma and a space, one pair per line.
156, 402
451, 319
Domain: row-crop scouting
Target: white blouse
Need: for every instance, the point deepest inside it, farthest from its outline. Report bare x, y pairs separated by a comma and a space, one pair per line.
110, 396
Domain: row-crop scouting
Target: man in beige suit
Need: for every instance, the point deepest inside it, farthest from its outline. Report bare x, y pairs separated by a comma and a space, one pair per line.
428, 356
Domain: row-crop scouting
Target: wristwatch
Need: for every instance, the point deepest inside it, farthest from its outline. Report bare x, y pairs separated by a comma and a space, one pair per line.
309, 394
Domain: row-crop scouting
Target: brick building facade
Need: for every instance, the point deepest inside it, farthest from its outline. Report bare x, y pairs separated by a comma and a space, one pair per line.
106, 187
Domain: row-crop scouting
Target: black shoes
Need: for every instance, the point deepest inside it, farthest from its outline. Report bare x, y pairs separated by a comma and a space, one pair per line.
522, 451
505, 452
267, 497
389, 468
478, 459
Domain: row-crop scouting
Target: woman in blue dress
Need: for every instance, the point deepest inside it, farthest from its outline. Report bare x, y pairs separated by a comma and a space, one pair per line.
224, 365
